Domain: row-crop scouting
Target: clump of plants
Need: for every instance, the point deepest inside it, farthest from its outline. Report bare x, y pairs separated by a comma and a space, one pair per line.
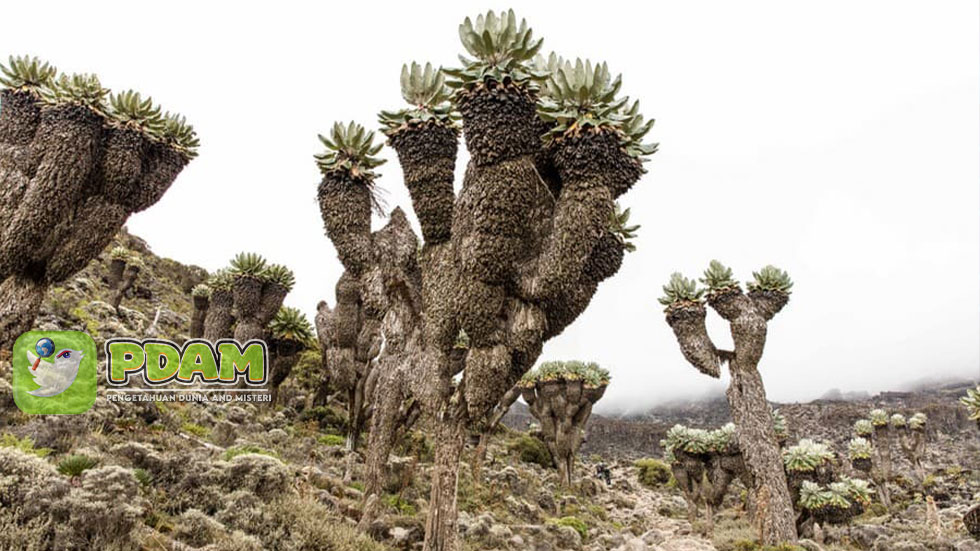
74, 465
837, 502
652, 473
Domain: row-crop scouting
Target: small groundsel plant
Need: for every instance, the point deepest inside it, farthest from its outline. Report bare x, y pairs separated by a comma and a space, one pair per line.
863, 428
859, 448
879, 418
898, 421
972, 403
918, 421
807, 456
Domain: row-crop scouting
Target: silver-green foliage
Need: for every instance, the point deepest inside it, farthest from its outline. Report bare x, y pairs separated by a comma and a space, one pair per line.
680, 289
620, 227
350, 149
718, 277
771, 278
424, 88
501, 49
807, 456
863, 427
23, 72
859, 448
972, 402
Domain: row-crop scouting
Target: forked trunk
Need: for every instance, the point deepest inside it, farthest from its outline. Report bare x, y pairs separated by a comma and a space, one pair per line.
440, 525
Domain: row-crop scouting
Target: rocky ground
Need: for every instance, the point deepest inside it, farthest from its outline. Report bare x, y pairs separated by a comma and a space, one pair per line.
186, 476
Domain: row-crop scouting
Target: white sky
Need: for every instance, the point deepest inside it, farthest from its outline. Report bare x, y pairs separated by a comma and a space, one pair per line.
836, 139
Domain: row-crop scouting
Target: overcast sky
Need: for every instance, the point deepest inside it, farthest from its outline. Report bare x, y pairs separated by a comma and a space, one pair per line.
836, 139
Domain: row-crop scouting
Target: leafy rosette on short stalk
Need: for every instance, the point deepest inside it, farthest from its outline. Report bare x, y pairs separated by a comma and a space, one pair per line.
179, 135
771, 278
918, 421
718, 278
863, 427
201, 290
81, 89
779, 425
248, 264
807, 456
424, 88
129, 109
681, 290
277, 274
898, 421
221, 280
501, 49
972, 403
28, 74
879, 418
859, 448
291, 324
351, 152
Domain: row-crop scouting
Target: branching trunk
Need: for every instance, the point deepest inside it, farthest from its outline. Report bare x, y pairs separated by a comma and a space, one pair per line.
881, 472
748, 316
89, 175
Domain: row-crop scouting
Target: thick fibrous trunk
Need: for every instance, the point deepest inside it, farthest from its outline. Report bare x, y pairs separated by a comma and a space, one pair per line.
198, 316
65, 190
428, 158
913, 442
128, 280
254, 305
20, 298
440, 524
116, 267
562, 408
284, 356
881, 472
218, 321
748, 316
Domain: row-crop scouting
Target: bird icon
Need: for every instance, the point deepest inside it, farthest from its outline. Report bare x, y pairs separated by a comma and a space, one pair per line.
55, 377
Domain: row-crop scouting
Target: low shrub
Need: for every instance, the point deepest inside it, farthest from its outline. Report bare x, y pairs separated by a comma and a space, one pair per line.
332, 440
531, 450
652, 473
74, 465
25, 445
235, 451
573, 522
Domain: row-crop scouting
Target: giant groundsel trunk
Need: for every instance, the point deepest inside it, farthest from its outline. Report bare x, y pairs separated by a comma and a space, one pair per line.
748, 316
89, 162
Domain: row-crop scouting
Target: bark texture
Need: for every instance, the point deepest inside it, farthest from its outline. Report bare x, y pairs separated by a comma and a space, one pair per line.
254, 304
747, 315
198, 316
69, 179
128, 280
493, 420
218, 320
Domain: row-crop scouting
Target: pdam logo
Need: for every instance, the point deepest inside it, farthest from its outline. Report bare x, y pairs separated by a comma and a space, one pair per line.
55, 372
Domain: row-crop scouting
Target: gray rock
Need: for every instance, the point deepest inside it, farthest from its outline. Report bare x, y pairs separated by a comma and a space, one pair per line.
568, 538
